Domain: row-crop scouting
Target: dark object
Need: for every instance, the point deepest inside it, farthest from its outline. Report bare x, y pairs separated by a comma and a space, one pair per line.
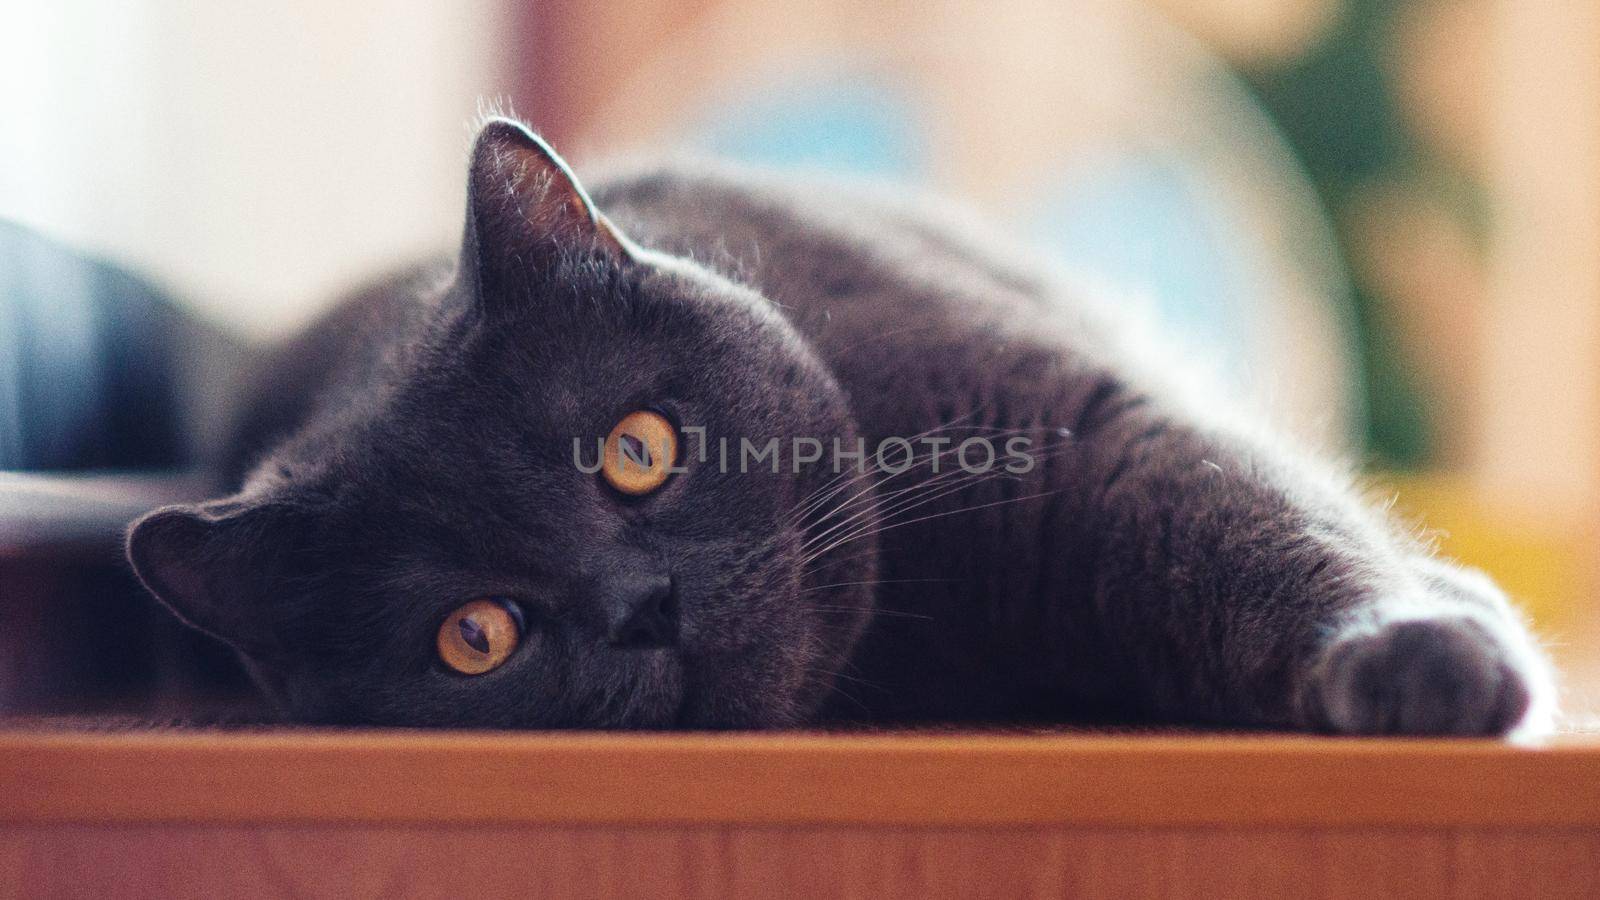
89, 361
1157, 559
91, 364
642, 611
472, 633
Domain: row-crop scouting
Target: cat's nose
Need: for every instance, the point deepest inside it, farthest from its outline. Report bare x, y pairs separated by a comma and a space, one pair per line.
642, 612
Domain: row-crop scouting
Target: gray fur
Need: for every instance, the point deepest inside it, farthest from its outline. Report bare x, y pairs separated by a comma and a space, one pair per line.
1166, 559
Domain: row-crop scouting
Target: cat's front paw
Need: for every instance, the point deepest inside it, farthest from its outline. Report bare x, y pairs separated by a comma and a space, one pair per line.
1436, 676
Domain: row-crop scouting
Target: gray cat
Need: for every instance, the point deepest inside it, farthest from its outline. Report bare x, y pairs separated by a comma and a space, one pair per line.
740, 454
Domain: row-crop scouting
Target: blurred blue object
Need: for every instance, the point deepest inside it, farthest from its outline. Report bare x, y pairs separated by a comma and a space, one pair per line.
1147, 222
1144, 221
88, 356
845, 122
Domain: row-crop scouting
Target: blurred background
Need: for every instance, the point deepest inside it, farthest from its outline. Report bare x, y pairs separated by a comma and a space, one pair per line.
1380, 218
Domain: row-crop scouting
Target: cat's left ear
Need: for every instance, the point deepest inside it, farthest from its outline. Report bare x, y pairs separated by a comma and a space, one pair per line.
524, 206
208, 563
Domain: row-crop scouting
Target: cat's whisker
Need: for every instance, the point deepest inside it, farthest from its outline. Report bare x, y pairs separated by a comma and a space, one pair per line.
883, 514
832, 680
877, 468
938, 515
933, 459
893, 613
863, 522
853, 679
840, 560
807, 569
875, 581
874, 501
915, 501
953, 425
924, 434
867, 495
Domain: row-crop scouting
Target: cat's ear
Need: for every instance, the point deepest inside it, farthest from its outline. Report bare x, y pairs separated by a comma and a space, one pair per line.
202, 562
524, 206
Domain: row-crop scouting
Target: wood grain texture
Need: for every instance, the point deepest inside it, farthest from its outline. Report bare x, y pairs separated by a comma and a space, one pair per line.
484, 778
46, 861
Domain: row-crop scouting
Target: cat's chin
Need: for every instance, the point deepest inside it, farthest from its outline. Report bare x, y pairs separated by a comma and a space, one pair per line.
734, 699
699, 717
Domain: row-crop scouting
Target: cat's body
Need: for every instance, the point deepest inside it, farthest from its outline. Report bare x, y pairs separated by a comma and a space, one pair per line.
1155, 560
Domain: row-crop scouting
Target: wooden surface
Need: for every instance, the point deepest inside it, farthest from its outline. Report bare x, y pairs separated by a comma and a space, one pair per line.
787, 779
353, 814
550, 862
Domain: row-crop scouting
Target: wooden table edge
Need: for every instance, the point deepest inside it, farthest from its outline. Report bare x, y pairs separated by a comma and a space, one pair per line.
788, 779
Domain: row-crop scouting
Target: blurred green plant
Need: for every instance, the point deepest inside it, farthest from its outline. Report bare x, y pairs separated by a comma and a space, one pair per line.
1338, 106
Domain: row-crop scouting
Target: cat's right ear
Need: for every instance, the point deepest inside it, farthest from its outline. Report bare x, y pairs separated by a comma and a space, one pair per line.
199, 561
525, 208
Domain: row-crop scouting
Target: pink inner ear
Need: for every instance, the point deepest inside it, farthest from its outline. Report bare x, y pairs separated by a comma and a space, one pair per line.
184, 579
552, 200
554, 204
166, 551
560, 207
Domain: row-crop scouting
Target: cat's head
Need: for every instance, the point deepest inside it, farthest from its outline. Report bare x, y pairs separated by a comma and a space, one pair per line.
437, 550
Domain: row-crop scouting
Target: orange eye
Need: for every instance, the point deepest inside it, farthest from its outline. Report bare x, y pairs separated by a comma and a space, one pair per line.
478, 637
639, 452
